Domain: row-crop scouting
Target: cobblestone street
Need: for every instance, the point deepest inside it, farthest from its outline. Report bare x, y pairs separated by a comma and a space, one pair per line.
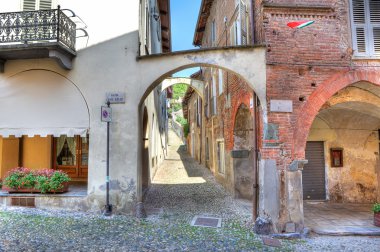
183, 186
181, 190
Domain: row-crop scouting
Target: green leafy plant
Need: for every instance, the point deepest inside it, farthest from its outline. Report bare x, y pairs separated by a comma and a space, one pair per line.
53, 182
186, 129
16, 178
47, 180
181, 120
1, 184
376, 208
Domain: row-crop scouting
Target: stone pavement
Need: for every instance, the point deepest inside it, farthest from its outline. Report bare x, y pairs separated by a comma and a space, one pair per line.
182, 185
340, 219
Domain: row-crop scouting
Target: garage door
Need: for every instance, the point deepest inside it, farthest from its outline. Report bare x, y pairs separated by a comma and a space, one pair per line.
313, 175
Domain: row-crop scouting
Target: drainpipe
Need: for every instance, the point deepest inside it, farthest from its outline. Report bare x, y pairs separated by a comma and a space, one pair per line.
256, 158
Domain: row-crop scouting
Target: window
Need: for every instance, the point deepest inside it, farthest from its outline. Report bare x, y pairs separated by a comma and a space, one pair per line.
213, 33
213, 97
233, 34
199, 111
31, 5
220, 155
207, 101
220, 78
239, 28
365, 19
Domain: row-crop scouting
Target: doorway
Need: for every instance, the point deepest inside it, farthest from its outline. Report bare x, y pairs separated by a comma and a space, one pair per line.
313, 175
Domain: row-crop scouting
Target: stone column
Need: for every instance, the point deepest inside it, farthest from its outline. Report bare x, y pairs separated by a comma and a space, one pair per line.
295, 195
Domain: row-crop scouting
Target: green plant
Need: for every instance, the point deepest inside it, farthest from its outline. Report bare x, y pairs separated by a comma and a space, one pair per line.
186, 129
52, 183
181, 120
176, 106
47, 180
1, 184
18, 177
179, 90
376, 208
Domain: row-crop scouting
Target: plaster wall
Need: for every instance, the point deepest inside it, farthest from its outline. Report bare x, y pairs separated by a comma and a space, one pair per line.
357, 180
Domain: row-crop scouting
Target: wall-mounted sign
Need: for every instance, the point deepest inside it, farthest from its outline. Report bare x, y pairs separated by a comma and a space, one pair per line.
116, 97
336, 157
106, 114
285, 106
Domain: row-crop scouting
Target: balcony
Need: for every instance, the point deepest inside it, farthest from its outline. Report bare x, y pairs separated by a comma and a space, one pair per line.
37, 34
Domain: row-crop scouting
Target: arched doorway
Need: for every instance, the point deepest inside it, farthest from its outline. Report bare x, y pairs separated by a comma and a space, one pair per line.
211, 113
342, 150
243, 153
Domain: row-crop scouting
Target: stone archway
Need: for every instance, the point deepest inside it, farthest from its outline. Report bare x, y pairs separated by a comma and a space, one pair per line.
318, 98
195, 84
344, 170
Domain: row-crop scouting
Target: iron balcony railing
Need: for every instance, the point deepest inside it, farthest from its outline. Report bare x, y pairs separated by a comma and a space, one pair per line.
40, 26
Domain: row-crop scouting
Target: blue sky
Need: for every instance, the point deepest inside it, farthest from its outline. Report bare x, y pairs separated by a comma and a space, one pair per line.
184, 14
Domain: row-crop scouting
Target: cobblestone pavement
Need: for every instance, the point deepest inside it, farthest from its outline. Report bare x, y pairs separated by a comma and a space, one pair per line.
171, 206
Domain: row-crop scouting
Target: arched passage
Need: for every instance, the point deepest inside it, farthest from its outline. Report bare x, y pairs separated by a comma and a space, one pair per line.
243, 152
195, 84
319, 97
342, 149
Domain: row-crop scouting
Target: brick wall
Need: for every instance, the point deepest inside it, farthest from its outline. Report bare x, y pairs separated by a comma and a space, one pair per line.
300, 60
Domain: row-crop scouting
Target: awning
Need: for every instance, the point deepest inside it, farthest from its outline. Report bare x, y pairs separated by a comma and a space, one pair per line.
41, 102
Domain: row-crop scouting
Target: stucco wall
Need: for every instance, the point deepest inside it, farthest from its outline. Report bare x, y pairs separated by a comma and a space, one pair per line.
356, 181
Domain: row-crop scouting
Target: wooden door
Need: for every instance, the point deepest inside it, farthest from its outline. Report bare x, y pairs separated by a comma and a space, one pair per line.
71, 156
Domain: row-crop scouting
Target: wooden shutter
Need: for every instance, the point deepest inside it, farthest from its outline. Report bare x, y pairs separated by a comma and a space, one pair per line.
359, 29
29, 5
232, 34
374, 13
45, 4
243, 23
366, 27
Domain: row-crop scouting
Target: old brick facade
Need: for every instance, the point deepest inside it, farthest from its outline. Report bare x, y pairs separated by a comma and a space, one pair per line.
306, 69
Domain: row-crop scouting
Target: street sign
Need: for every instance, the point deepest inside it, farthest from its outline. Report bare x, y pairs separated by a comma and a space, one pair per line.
116, 97
106, 114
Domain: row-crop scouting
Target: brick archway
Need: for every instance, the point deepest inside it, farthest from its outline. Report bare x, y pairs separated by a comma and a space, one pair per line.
319, 97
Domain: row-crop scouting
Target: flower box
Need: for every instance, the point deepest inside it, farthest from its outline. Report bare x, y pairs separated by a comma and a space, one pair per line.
24, 180
33, 190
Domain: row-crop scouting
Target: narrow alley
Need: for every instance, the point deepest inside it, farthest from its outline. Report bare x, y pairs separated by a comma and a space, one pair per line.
183, 186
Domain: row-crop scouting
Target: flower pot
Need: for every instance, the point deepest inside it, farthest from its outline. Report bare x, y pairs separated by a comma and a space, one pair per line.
32, 190
376, 219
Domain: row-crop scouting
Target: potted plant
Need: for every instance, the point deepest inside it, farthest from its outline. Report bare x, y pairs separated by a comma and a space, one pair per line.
23, 179
376, 212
